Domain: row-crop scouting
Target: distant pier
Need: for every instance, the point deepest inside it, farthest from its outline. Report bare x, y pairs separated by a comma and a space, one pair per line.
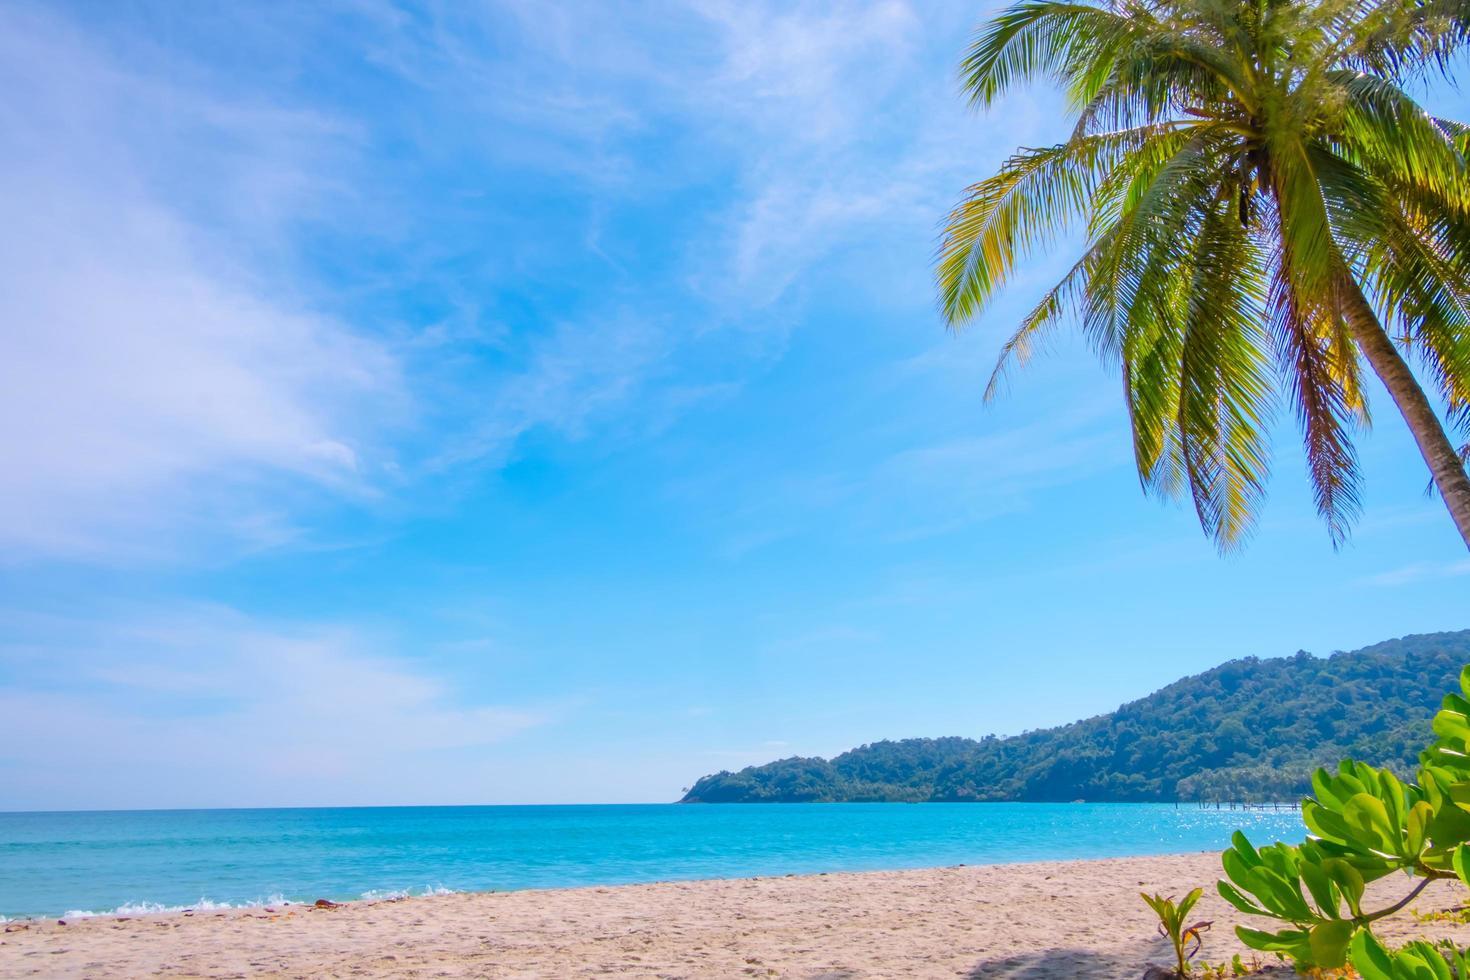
1219, 805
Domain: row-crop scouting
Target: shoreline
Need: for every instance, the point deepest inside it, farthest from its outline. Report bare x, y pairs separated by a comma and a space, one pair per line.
206, 908
1070, 919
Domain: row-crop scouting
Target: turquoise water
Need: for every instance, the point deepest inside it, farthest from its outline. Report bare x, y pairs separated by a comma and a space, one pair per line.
135, 861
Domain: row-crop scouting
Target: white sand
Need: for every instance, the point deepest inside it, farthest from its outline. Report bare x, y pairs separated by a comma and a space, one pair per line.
1073, 920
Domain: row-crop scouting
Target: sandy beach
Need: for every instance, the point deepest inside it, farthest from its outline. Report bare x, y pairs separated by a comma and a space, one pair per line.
1077, 919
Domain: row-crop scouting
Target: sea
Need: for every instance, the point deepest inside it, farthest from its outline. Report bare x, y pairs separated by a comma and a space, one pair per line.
136, 862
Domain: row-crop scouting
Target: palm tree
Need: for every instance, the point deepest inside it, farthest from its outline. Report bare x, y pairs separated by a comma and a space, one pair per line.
1266, 208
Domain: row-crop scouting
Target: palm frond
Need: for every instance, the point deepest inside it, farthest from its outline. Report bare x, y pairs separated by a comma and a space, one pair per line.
1303, 331
1069, 297
1028, 203
1396, 139
1042, 39
1226, 384
1415, 266
1404, 38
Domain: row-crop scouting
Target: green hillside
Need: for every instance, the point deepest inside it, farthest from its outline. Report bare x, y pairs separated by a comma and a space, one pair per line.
1249, 729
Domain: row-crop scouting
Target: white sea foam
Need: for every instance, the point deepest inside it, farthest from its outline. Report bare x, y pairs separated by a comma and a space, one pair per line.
275, 901
208, 905
158, 908
380, 895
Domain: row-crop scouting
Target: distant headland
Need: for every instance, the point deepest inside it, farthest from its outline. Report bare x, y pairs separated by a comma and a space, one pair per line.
1250, 729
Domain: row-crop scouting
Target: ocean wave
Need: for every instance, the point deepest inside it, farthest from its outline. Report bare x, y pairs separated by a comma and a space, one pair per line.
380, 895
274, 901
158, 908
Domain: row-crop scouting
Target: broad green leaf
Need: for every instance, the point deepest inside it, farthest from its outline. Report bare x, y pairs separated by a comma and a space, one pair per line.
1421, 961
1236, 867
1295, 943
1242, 846
1280, 858
1433, 779
1459, 794
1461, 863
1280, 895
1369, 957
1327, 824
1324, 788
1348, 881
1369, 817
1238, 899
1329, 942
1391, 794
1417, 827
1451, 725
1451, 821
1348, 784
1324, 894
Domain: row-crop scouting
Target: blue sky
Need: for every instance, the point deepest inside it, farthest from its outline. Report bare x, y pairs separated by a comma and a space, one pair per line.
518, 402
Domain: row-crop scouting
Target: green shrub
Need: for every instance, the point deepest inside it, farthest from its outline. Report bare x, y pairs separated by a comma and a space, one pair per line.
1416, 961
1365, 823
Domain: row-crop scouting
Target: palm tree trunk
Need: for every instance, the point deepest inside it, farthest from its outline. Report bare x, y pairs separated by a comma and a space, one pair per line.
1444, 462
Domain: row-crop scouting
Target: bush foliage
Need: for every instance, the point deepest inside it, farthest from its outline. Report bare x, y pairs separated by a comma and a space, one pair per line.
1365, 824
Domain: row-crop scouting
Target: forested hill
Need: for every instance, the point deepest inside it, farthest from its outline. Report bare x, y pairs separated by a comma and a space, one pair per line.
1250, 729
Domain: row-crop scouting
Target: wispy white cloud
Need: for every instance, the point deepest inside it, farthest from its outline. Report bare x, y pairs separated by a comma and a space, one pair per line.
226, 709
174, 365
846, 140
803, 72
150, 379
804, 99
